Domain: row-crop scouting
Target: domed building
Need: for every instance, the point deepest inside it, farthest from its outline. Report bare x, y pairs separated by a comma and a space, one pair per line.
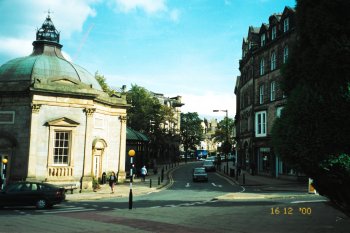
56, 123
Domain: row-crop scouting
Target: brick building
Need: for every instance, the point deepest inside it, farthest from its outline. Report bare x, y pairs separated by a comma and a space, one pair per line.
259, 96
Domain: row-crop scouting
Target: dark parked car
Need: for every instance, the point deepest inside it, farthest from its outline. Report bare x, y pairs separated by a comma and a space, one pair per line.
209, 165
41, 195
199, 174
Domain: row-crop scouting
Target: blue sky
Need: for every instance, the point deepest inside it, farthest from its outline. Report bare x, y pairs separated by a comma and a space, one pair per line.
189, 48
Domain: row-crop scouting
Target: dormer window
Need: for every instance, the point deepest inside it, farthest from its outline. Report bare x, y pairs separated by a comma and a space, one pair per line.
262, 40
273, 33
285, 24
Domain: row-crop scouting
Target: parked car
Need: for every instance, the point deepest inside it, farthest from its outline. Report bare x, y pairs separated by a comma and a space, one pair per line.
199, 174
209, 165
212, 158
41, 195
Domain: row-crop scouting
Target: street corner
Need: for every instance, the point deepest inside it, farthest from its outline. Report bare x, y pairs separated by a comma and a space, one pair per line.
240, 196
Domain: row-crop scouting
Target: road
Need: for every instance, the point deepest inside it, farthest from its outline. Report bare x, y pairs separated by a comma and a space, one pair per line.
183, 207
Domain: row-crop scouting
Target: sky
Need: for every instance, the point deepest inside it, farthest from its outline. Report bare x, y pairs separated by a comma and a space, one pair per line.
188, 48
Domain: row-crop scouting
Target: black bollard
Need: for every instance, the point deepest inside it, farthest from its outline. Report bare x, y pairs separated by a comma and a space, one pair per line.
150, 183
162, 176
158, 180
130, 199
243, 178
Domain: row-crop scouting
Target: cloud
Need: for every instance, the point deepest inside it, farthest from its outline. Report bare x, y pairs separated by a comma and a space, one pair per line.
205, 103
20, 19
149, 6
15, 47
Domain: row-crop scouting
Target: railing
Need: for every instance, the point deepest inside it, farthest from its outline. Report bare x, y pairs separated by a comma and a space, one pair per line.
60, 172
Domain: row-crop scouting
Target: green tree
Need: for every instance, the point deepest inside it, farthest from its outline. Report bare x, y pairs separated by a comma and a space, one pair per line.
224, 134
102, 81
313, 132
144, 115
191, 131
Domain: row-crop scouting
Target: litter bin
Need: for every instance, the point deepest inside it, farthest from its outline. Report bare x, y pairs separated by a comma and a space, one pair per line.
232, 172
103, 178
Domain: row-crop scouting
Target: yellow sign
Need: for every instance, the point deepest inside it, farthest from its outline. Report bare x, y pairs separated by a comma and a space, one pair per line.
131, 153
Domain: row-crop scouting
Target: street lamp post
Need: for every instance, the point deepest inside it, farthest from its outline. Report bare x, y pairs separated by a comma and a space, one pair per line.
3, 175
131, 153
226, 134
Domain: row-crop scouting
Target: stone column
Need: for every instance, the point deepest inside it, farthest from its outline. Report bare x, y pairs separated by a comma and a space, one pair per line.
122, 148
31, 173
86, 180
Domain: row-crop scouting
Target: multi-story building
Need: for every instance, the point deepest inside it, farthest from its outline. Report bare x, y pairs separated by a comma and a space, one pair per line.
208, 143
172, 127
259, 96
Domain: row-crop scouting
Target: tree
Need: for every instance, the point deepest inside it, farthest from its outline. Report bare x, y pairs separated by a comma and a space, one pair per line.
224, 134
313, 132
144, 115
191, 131
102, 81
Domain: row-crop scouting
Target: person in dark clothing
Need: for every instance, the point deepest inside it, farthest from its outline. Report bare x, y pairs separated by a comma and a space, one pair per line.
112, 180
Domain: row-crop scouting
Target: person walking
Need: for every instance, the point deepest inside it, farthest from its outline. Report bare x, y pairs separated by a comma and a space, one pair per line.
112, 180
143, 173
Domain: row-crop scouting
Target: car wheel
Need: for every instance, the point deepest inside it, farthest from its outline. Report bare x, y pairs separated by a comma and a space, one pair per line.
41, 204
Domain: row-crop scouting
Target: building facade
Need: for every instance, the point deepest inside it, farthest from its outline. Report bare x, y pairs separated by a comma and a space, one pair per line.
56, 123
259, 97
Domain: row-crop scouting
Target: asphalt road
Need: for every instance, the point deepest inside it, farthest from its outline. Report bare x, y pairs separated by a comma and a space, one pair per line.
183, 207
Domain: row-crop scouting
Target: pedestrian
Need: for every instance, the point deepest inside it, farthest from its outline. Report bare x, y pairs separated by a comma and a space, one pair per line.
143, 173
112, 181
133, 168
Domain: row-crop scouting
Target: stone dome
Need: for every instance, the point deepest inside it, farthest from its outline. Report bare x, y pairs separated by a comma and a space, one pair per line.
46, 68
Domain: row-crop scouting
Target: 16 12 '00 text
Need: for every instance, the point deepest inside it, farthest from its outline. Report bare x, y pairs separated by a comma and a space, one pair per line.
290, 210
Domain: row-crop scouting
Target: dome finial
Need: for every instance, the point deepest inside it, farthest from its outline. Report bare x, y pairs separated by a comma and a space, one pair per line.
48, 31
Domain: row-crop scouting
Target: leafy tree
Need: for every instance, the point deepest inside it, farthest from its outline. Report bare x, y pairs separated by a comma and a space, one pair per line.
191, 131
102, 81
313, 132
224, 134
145, 111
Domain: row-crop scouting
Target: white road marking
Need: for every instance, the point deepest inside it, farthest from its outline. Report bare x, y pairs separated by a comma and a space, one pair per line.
213, 184
298, 202
187, 185
66, 211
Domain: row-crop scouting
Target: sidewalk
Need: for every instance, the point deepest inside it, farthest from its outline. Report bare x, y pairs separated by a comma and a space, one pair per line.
152, 184
259, 186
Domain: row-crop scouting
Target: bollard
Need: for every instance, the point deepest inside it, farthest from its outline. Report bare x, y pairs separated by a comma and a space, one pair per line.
158, 180
130, 199
243, 178
150, 183
162, 175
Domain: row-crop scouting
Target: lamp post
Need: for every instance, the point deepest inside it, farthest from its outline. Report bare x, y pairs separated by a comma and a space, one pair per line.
226, 134
3, 175
131, 153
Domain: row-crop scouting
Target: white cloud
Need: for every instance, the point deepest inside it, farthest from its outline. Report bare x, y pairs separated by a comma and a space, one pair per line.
205, 104
20, 19
149, 6
15, 47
